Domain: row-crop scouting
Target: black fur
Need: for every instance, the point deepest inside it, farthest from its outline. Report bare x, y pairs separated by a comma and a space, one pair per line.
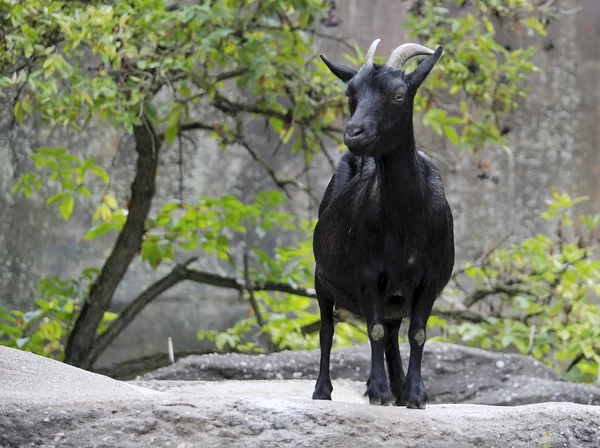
384, 242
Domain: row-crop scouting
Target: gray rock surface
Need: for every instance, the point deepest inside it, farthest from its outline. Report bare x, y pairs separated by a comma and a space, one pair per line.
452, 373
45, 403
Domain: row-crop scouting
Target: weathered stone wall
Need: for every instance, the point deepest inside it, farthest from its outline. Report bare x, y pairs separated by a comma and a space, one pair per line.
555, 142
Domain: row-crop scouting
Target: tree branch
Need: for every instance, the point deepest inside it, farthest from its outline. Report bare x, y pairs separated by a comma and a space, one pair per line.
499, 288
178, 274
327, 156
580, 357
134, 308
465, 315
253, 302
233, 108
231, 74
209, 278
182, 272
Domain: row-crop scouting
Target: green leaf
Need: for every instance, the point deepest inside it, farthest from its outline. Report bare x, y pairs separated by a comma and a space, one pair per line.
84, 191
171, 134
66, 207
455, 89
169, 207
98, 230
185, 90
110, 200
9, 330
90, 273
222, 240
452, 134
18, 112
6, 315
101, 173
57, 197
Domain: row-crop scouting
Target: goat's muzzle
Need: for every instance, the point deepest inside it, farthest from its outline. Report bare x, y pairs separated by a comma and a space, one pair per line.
358, 138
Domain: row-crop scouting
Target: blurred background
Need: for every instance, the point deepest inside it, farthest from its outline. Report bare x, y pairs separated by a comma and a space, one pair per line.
230, 111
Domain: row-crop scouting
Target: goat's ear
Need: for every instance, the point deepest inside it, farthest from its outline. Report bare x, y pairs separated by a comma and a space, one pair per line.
416, 78
339, 70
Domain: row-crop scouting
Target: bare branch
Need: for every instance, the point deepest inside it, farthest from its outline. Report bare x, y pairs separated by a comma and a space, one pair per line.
279, 182
135, 307
253, 302
341, 40
464, 315
333, 129
486, 256
499, 288
209, 278
233, 108
580, 357
231, 74
327, 156
195, 126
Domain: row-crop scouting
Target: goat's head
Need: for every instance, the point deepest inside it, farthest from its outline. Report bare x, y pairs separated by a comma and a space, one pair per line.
381, 97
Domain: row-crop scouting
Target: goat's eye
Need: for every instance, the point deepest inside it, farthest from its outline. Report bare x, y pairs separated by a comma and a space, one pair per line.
347, 94
398, 97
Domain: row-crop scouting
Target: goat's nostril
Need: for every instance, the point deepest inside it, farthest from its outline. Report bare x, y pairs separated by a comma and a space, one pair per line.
355, 131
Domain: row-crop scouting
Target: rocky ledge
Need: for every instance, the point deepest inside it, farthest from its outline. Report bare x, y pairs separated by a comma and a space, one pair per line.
452, 373
46, 403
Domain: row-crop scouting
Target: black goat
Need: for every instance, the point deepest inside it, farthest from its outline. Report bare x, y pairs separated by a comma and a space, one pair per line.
384, 242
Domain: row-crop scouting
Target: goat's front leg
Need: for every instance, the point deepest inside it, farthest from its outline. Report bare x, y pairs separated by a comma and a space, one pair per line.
323, 388
414, 389
378, 388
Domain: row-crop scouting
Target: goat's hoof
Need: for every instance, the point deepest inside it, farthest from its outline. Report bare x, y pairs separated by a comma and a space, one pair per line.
416, 397
379, 395
322, 392
397, 388
320, 396
400, 401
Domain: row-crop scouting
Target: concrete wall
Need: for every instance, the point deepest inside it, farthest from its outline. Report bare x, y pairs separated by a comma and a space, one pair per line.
555, 141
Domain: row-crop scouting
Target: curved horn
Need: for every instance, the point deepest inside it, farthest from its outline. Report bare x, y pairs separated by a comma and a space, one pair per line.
371, 53
404, 52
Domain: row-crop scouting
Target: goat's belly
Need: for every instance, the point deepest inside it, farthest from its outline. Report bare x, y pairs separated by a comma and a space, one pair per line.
395, 307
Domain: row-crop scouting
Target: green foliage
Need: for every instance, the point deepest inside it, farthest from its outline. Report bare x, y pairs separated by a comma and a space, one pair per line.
261, 47
44, 329
144, 46
67, 171
540, 296
210, 225
478, 81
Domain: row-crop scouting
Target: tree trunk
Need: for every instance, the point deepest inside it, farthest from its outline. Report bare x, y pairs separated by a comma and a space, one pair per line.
82, 338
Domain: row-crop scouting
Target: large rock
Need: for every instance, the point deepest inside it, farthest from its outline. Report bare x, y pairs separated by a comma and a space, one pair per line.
452, 373
45, 403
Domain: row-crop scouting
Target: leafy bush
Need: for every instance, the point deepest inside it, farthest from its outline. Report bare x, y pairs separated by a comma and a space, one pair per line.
471, 92
44, 329
539, 297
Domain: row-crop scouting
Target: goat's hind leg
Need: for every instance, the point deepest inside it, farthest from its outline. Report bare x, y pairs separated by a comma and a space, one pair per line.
378, 387
323, 388
394, 362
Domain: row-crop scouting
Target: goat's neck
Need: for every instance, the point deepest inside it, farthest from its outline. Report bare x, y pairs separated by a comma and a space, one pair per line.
400, 181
